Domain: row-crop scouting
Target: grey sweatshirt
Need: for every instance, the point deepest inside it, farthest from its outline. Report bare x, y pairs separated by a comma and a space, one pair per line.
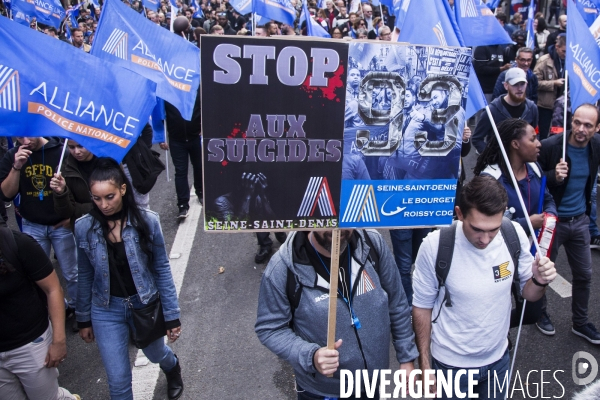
378, 301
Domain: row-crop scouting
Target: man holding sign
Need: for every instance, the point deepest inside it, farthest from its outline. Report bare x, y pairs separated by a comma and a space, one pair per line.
293, 310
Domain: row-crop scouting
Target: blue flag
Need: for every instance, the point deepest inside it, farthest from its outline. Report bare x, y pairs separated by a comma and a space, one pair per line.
582, 63
435, 27
23, 11
48, 12
197, 10
42, 102
242, 6
478, 24
313, 28
153, 5
278, 10
400, 7
158, 126
134, 42
530, 31
589, 10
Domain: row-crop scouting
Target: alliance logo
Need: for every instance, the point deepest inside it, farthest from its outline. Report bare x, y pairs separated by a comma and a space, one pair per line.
468, 9
439, 33
317, 193
10, 97
362, 205
117, 44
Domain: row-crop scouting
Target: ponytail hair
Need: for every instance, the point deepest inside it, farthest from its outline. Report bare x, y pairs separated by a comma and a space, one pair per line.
107, 169
509, 130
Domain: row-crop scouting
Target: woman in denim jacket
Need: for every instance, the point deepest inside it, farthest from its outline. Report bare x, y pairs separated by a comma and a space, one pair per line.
118, 237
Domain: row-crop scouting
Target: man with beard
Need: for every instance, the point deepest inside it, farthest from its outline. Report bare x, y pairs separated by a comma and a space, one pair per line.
514, 104
571, 182
371, 305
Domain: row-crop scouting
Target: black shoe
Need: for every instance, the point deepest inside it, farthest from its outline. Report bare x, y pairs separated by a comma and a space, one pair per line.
280, 236
69, 313
262, 255
545, 325
595, 242
588, 332
174, 382
183, 212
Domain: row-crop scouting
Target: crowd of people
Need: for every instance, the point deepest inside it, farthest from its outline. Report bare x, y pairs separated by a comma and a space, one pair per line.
111, 251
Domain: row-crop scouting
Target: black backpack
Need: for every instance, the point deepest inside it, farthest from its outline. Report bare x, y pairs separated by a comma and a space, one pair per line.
294, 287
144, 165
446, 250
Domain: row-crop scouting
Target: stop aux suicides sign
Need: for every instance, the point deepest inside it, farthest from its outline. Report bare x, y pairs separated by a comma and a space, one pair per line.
272, 132
316, 134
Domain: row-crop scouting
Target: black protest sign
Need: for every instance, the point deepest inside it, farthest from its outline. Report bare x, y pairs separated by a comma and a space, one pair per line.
272, 132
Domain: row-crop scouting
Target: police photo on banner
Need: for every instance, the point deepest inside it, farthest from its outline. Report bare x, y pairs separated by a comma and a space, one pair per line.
273, 160
405, 113
46, 90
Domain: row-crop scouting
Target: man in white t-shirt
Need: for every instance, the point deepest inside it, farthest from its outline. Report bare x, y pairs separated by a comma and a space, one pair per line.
472, 333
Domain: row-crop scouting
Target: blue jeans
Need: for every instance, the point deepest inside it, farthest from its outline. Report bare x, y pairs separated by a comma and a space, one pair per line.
111, 328
406, 243
497, 388
63, 242
593, 225
181, 152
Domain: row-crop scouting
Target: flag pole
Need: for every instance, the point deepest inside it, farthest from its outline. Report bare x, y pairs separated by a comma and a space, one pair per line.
564, 152
167, 151
62, 155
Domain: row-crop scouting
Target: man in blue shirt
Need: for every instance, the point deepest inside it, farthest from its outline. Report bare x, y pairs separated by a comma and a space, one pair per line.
571, 181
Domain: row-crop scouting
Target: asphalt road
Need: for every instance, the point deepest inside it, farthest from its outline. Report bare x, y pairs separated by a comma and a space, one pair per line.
221, 357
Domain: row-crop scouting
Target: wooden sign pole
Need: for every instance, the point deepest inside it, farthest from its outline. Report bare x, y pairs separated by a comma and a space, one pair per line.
333, 289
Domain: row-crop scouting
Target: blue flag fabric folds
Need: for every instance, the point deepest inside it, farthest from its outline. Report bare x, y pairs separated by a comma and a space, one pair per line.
158, 127
153, 5
48, 12
313, 28
530, 31
23, 11
134, 42
42, 102
435, 27
278, 10
478, 24
589, 10
242, 6
583, 62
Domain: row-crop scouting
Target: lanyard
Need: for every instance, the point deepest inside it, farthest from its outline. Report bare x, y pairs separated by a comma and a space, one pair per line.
348, 301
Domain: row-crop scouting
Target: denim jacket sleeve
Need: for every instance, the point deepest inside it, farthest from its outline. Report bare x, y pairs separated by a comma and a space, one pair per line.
85, 274
161, 269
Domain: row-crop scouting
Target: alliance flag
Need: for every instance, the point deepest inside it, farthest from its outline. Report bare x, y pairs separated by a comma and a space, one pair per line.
129, 40
37, 101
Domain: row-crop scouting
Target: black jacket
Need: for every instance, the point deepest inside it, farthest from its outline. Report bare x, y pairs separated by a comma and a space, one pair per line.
484, 128
76, 200
178, 128
487, 61
551, 154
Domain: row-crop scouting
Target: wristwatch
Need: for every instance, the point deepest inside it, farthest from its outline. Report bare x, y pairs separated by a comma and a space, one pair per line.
535, 282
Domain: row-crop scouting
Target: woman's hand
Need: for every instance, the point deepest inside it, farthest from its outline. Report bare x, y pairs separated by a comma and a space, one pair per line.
173, 334
87, 334
57, 183
56, 354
